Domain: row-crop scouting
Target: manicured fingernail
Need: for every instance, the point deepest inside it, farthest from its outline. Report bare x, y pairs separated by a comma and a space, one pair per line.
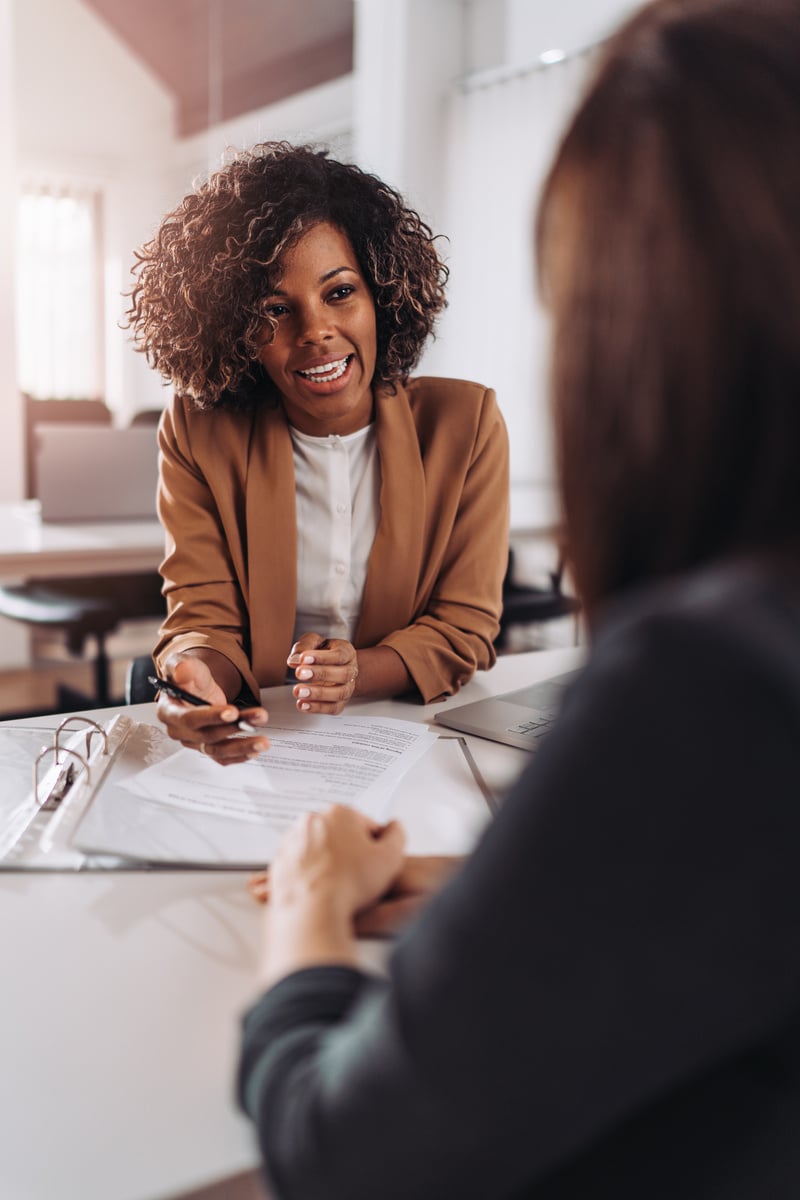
229, 714
309, 658
304, 673
305, 707
303, 692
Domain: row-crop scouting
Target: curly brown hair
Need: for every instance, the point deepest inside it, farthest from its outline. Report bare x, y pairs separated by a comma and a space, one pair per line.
198, 307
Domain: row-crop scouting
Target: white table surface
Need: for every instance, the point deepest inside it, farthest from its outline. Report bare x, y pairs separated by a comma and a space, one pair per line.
121, 1000
31, 548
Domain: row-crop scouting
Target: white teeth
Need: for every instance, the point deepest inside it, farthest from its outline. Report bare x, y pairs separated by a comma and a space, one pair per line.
327, 373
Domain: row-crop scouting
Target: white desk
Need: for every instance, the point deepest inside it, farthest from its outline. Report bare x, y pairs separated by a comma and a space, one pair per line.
121, 1001
32, 549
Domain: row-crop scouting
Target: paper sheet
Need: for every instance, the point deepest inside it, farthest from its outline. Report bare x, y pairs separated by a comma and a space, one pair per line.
313, 761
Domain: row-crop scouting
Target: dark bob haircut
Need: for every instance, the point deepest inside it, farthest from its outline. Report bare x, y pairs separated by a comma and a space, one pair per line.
198, 305
669, 251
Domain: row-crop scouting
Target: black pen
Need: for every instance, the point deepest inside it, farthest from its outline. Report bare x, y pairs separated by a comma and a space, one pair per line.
178, 693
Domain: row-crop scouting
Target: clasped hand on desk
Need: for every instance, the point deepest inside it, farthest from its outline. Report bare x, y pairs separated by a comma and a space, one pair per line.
339, 837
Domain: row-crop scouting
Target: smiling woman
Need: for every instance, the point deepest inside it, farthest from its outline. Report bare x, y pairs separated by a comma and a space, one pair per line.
324, 511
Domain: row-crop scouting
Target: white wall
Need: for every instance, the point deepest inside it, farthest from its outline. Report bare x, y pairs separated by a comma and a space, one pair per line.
87, 109
322, 114
473, 180
533, 26
407, 52
11, 460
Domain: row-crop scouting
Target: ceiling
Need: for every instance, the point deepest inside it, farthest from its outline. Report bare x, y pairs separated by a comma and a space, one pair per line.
261, 50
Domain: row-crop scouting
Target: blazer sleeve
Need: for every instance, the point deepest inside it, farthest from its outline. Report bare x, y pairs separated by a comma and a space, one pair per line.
622, 939
454, 635
205, 606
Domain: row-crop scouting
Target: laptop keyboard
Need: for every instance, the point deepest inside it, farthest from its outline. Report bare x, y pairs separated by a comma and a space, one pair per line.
535, 728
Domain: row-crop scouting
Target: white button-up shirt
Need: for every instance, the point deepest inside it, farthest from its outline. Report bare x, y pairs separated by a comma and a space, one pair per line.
337, 484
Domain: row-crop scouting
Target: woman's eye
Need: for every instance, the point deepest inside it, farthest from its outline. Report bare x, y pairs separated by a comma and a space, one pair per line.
277, 310
342, 292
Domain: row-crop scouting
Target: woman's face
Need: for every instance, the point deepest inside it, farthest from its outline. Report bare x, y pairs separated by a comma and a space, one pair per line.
322, 357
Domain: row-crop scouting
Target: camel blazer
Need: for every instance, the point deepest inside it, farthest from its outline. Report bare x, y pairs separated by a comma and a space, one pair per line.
434, 577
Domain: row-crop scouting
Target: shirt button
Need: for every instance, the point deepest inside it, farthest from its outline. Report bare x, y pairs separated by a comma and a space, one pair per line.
340, 568
341, 509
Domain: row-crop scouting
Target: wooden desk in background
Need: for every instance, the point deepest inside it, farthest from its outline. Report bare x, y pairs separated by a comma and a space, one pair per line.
122, 997
33, 549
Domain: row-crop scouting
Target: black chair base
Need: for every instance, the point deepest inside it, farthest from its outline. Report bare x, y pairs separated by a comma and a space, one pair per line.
530, 605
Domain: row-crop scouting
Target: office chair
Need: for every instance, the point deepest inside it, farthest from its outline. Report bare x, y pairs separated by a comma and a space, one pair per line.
138, 688
85, 608
527, 604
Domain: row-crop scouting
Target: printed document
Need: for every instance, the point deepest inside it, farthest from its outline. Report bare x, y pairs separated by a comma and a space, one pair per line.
313, 761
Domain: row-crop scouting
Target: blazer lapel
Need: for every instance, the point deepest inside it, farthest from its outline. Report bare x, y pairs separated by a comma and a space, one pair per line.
393, 571
272, 544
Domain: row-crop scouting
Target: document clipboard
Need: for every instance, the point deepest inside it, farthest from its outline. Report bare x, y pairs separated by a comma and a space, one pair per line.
37, 834
80, 816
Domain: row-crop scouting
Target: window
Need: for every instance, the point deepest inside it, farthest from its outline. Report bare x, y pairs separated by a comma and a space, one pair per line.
59, 293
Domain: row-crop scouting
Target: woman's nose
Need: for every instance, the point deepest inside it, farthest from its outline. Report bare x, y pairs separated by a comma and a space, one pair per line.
313, 325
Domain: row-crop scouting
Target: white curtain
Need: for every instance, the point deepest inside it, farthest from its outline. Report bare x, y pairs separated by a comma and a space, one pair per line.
59, 293
502, 133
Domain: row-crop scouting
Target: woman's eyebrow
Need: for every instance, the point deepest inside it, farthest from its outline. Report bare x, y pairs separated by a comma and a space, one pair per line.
279, 291
330, 274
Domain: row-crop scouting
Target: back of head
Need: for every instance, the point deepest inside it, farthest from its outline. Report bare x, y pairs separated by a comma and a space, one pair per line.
669, 238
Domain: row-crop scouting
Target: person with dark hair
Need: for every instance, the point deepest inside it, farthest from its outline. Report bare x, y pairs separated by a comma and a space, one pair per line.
604, 1001
322, 509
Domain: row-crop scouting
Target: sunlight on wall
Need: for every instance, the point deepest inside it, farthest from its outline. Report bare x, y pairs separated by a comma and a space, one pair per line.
58, 295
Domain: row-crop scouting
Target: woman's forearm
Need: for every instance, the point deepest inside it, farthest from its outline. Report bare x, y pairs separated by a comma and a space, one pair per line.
381, 674
305, 935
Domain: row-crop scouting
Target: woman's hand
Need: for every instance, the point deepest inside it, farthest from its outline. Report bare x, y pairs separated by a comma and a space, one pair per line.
212, 728
419, 879
329, 867
326, 670
338, 858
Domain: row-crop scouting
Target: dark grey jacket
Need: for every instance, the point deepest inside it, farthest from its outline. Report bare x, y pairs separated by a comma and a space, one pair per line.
606, 1001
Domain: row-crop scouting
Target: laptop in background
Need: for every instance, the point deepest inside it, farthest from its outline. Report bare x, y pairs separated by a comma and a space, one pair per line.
520, 718
95, 473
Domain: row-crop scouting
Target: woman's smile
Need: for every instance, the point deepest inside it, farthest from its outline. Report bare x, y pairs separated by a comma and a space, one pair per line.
327, 373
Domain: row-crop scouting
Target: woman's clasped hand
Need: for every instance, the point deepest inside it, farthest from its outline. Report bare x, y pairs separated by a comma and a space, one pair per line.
327, 673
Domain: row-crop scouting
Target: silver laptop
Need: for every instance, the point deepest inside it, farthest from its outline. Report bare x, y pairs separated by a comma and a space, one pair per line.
521, 718
96, 473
